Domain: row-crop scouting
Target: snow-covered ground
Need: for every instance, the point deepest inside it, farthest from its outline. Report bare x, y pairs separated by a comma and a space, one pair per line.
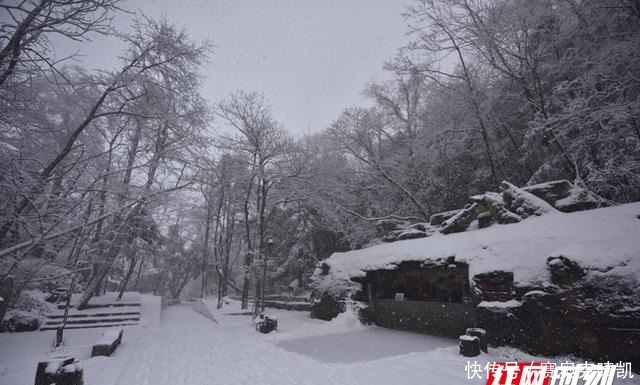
20, 352
188, 348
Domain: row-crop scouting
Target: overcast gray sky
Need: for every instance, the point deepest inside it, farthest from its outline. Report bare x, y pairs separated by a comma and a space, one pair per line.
310, 58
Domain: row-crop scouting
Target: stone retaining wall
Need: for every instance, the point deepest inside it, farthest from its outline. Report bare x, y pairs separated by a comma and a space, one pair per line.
438, 318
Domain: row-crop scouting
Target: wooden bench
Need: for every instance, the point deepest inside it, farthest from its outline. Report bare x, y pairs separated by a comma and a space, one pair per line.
108, 343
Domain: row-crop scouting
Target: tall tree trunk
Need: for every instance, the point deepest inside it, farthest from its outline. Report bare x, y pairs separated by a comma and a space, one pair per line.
248, 258
230, 227
120, 239
98, 276
125, 281
135, 286
261, 233
75, 253
159, 283
205, 253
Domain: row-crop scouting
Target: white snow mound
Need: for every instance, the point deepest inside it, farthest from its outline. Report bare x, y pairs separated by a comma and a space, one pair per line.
603, 241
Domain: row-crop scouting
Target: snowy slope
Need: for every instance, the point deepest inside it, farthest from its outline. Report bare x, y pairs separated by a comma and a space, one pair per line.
603, 241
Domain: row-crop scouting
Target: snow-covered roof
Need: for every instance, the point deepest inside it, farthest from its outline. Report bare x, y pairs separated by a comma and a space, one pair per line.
603, 241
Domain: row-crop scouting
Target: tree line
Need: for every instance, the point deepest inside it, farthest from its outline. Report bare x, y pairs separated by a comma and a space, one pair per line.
130, 179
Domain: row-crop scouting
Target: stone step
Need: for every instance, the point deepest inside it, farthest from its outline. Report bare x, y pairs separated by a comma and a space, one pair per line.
286, 298
103, 305
76, 315
101, 325
58, 322
299, 306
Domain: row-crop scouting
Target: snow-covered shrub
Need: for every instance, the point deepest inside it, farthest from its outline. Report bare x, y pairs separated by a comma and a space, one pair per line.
26, 312
20, 321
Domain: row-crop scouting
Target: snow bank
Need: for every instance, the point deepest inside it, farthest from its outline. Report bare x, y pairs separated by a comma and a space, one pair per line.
345, 322
602, 241
500, 304
348, 319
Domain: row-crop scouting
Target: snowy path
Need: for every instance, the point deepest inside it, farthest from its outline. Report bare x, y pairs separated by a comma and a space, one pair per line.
190, 349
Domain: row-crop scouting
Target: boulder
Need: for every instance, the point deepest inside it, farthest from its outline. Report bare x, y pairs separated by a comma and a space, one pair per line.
551, 191
566, 196
462, 219
580, 199
385, 226
437, 219
564, 271
485, 220
522, 202
420, 226
403, 230
494, 204
489, 203
401, 235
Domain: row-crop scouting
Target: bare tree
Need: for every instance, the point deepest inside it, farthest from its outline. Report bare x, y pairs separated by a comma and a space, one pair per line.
261, 142
26, 45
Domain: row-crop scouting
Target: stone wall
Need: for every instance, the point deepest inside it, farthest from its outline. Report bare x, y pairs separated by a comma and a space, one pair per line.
546, 326
590, 317
442, 281
438, 318
326, 307
556, 325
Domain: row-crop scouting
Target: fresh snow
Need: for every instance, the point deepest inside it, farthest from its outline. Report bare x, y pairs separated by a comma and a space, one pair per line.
577, 194
128, 297
109, 337
604, 241
21, 352
526, 200
189, 349
500, 304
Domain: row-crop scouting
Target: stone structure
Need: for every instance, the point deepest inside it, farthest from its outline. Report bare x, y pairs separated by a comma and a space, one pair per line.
432, 298
326, 307
557, 308
579, 316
